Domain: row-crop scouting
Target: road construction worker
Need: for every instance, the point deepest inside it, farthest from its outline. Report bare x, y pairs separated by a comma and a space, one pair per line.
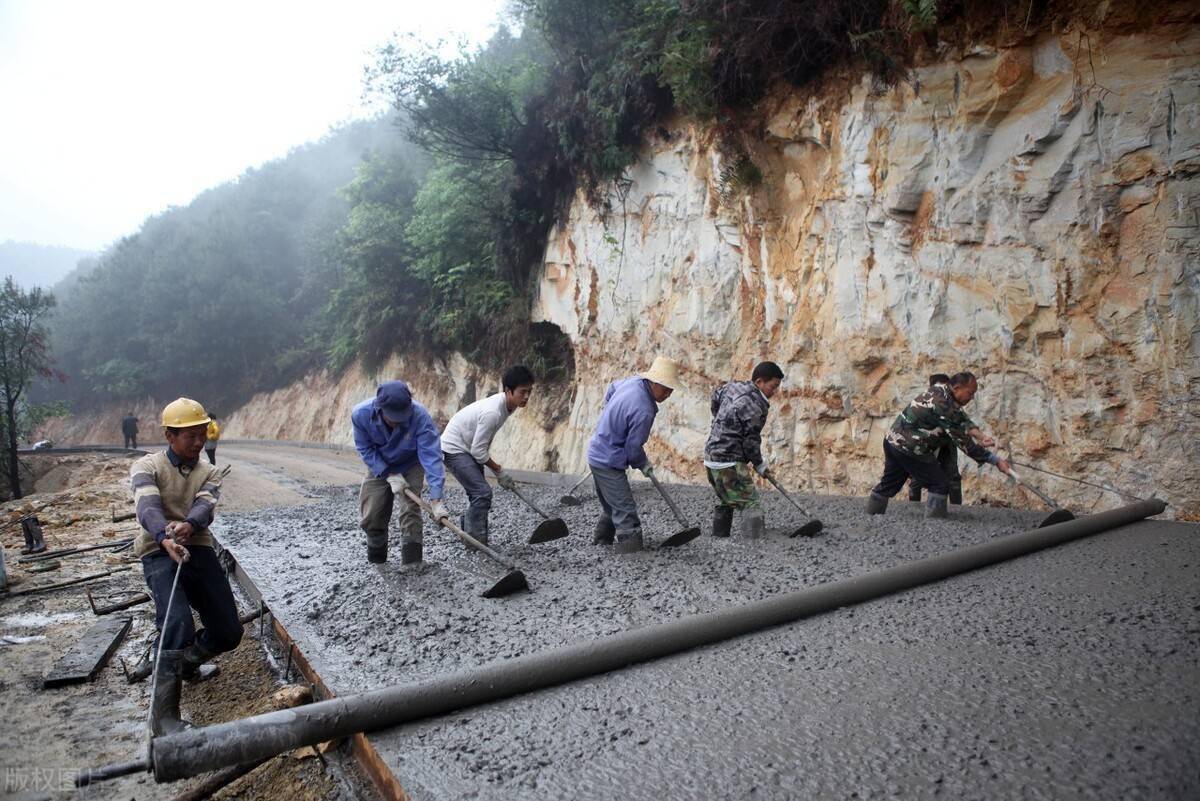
129, 430
176, 495
399, 443
739, 410
947, 457
214, 434
618, 443
467, 444
933, 420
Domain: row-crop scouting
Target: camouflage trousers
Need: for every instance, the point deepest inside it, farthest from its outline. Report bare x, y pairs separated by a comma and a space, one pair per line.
734, 486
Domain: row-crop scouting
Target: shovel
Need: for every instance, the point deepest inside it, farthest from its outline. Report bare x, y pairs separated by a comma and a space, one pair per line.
808, 529
569, 499
1059, 515
551, 528
513, 580
689, 532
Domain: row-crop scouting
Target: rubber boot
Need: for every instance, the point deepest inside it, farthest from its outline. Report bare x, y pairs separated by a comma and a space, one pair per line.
914, 492
629, 541
194, 664
956, 495
477, 532
605, 531
936, 506
411, 553
876, 504
722, 520
164, 703
377, 547
753, 526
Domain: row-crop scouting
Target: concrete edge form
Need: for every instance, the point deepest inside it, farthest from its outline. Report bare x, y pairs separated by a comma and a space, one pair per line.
364, 753
200, 750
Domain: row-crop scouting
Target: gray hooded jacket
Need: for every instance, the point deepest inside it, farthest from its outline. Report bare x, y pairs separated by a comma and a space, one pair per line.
739, 413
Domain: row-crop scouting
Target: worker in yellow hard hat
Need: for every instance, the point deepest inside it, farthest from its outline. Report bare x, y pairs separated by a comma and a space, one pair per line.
176, 494
210, 445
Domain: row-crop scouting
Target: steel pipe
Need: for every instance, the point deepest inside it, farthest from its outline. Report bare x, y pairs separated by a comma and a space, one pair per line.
196, 751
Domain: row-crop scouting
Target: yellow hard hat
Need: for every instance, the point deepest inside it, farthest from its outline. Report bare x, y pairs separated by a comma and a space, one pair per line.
182, 413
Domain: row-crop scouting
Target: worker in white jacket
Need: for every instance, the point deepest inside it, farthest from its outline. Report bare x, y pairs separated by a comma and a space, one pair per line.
467, 446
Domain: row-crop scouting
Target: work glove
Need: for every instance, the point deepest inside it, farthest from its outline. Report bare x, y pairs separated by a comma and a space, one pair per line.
437, 510
506, 481
397, 483
762, 469
647, 470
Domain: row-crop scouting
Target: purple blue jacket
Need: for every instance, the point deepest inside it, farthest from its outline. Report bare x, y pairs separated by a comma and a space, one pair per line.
624, 425
399, 450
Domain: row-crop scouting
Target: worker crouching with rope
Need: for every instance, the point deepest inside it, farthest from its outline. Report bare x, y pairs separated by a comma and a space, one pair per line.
176, 494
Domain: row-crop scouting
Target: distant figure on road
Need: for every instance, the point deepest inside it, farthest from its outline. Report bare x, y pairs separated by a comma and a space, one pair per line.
129, 429
630, 406
214, 434
400, 446
467, 445
739, 410
935, 419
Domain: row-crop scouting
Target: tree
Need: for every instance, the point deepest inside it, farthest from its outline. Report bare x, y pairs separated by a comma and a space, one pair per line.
24, 356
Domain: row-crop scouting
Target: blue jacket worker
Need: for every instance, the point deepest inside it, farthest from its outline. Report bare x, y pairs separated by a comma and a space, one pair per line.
176, 495
399, 444
618, 443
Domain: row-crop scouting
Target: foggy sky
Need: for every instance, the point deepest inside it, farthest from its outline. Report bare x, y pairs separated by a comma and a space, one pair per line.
114, 110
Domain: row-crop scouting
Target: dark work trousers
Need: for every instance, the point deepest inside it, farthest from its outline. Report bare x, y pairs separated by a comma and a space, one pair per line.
469, 473
203, 587
375, 501
212, 454
616, 500
130, 441
948, 459
898, 466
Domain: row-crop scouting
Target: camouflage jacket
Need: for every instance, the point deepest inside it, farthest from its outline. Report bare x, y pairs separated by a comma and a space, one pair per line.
932, 421
739, 413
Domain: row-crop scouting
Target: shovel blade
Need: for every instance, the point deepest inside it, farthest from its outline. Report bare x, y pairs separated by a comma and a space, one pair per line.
513, 581
570, 500
553, 529
809, 529
682, 538
1055, 517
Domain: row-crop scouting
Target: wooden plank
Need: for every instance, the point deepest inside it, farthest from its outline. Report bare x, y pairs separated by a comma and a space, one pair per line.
89, 654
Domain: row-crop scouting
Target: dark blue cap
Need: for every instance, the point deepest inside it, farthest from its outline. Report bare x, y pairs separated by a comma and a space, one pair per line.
394, 400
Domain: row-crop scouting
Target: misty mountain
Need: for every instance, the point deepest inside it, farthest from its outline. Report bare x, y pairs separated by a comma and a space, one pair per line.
31, 264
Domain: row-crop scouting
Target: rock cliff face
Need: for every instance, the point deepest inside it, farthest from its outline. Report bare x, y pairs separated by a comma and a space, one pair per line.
1030, 213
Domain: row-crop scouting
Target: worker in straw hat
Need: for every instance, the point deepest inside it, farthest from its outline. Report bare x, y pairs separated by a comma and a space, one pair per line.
176, 495
618, 443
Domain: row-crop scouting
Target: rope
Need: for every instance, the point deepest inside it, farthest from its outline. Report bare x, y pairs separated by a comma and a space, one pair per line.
158, 657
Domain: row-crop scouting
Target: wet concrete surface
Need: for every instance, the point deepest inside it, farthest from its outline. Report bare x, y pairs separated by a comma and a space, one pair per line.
1069, 673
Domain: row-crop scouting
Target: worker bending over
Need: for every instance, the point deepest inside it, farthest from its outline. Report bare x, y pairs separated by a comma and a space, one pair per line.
176, 495
933, 420
399, 444
739, 410
467, 446
947, 457
618, 443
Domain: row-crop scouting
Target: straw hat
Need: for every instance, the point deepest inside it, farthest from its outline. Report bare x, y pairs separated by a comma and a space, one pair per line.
664, 371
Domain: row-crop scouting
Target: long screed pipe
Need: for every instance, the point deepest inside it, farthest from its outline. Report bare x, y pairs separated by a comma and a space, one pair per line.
195, 751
